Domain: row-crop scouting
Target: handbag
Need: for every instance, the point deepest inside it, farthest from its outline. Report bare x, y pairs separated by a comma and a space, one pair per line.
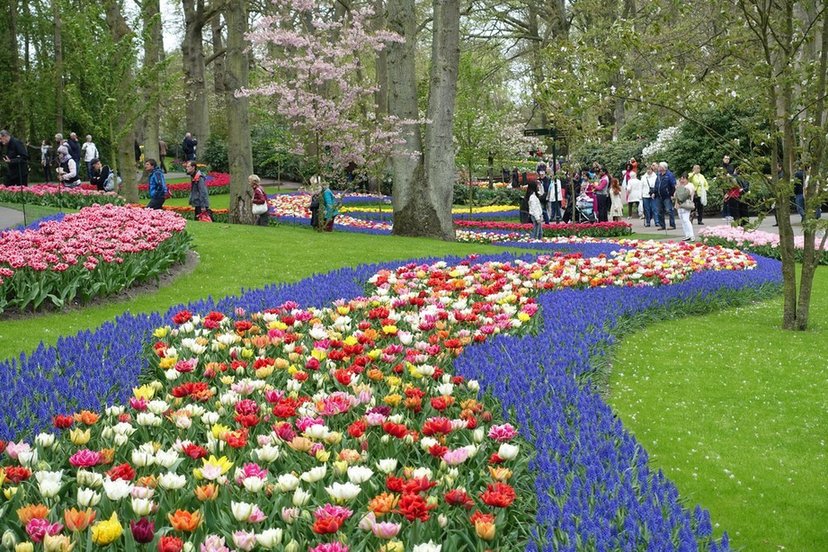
259, 208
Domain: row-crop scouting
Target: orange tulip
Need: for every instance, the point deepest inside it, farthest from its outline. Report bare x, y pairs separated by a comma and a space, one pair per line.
184, 521
107, 455
32, 511
206, 492
78, 520
86, 417
485, 529
383, 504
148, 481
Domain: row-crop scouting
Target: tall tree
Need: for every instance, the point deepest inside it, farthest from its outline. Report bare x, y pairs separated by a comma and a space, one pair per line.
58, 66
196, 16
423, 188
239, 149
153, 56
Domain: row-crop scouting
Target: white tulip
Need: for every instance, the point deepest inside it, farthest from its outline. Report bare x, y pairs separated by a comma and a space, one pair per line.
117, 489
343, 491
142, 506
300, 497
269, 538
387, 465
315, 474
89, 479
359, 474
87, 498
172, 481
45, 440
507, 451
241, 510
287, 482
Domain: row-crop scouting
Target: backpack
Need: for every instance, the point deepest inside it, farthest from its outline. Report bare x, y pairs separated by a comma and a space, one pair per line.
112, 181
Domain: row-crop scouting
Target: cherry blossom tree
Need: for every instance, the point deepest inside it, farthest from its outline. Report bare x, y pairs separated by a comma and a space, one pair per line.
317, 61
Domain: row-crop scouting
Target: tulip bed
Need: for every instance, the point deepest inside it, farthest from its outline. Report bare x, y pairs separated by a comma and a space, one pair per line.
756, 241
344, 426
100, 250
596, 230
217, 183
53, 196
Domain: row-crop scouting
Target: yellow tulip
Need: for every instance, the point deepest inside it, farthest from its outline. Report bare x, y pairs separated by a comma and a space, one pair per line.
107, 532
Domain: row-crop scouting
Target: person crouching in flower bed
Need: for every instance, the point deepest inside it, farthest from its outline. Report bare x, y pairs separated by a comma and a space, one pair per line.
199, 199
535, 211
259, 200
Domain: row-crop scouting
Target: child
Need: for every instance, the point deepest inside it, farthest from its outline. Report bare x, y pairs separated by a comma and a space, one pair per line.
617, 204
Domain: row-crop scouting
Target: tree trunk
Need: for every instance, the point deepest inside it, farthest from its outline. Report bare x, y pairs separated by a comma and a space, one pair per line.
381, 97
412, 210
239, 149
218, 60
195, 87
58, 67
441, 171
125, 131
153, 51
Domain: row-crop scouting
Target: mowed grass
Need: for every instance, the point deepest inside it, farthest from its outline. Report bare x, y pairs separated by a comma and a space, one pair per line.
735, 411
233, 258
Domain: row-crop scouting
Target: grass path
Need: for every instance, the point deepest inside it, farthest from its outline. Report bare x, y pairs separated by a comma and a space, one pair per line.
233, 258
735, 411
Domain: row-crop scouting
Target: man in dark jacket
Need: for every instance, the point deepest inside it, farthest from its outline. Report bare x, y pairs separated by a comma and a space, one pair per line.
74, 148
189, 147
665, 188
17, 159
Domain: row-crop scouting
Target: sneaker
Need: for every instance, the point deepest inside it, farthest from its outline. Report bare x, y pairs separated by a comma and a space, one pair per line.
701, 223
672, 228
646, 226
687, 239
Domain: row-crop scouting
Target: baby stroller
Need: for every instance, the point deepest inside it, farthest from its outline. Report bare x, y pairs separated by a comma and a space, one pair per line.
584, 205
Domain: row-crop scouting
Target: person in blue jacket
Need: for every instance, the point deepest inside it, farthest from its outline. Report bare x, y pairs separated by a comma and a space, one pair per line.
329, 202
157, 184
665, 188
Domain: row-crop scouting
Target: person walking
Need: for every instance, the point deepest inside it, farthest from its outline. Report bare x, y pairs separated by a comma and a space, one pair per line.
89, 152
199, 200
665, 190
259, 202
700, 187
684, 204
648, 183
189, 147
535, 211
16, 158
157, 185
633, 195
329, 204
162, 153
46, 160
602, 194
74, 148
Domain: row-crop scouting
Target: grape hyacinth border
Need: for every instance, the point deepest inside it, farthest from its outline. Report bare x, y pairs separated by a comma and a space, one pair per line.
588, 468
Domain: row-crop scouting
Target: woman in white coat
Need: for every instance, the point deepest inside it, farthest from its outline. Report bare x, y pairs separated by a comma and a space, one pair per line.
633, 195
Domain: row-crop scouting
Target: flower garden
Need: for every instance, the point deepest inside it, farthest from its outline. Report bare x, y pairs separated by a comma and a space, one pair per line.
428, 405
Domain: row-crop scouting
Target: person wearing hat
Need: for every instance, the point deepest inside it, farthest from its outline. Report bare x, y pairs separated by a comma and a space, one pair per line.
67, 169
17, 159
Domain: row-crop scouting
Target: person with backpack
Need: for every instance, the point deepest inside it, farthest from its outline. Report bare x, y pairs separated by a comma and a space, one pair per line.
199, 199
101, 176
157, 185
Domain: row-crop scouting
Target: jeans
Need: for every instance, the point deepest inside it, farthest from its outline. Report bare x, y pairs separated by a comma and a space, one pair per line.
537, 229
800, 206
686, 224
88, 169
665, 206
649, 211
553, 209
603, 207
156, 203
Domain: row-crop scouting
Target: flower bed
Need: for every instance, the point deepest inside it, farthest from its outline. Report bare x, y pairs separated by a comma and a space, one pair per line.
54, 196
219, 378
100, 250
756, 241
595, 230
217, 183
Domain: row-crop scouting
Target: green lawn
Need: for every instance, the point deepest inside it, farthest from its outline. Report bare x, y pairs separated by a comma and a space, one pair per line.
735, 411
232, 258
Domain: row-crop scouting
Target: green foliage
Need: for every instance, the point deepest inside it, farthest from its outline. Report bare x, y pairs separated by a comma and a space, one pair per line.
613, 155
475, 195
215, 154
722, 130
